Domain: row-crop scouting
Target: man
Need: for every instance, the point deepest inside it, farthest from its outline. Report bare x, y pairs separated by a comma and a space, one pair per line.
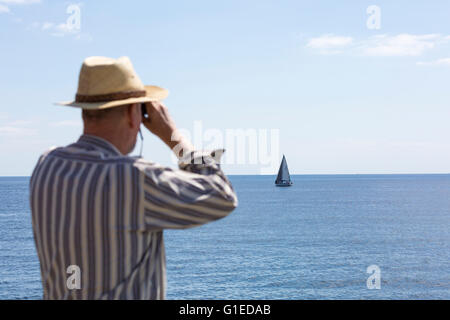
98, 215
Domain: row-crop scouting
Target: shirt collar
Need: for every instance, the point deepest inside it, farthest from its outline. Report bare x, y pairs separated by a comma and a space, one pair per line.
100, 143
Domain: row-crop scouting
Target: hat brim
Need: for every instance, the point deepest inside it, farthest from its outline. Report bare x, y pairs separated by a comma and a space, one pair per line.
153, 93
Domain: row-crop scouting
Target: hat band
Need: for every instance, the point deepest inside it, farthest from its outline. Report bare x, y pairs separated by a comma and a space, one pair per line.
110, 96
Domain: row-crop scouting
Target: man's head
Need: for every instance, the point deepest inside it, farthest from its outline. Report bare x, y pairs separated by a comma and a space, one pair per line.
110, 94
118, 125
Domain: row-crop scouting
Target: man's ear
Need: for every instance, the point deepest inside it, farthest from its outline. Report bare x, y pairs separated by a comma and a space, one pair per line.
133, 113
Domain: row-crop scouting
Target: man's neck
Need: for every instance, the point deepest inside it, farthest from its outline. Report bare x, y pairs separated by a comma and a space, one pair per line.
116, 140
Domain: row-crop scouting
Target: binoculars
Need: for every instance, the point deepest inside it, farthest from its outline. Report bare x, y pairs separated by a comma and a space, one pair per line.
144, 111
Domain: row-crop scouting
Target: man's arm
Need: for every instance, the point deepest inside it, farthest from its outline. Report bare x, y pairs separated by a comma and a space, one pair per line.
196, 194
180, 199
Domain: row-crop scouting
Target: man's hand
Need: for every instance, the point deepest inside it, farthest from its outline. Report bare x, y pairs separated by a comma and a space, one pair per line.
161, 124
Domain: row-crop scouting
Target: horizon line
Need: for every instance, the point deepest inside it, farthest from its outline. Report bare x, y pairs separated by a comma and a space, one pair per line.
299, 174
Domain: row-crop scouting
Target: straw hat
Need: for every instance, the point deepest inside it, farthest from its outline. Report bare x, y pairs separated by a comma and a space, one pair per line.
106, 82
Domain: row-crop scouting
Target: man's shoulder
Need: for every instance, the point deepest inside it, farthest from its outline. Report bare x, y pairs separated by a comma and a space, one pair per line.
72, 153
76, 152
46, 153
144, 165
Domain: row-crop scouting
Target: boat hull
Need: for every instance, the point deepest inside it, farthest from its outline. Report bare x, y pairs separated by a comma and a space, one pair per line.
283, 184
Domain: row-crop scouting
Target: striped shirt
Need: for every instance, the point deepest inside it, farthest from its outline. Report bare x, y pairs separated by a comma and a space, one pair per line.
100, 215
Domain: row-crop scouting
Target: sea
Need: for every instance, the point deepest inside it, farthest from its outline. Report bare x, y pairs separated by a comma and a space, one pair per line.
326, 237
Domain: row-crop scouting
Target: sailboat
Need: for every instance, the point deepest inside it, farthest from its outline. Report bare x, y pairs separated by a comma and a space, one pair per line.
283, 178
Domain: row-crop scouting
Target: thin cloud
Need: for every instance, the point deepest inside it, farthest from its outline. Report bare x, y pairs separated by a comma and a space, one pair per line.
67, 123
4, 9
400, 45
13, 132
4, 115
4, 4
17, 128
20, 1
57, 30
445, 62
47, 25
20, 123
329, 41
72, 26
63, 29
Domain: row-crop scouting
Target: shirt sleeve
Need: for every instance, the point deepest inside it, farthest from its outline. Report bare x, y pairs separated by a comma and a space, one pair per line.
196, 194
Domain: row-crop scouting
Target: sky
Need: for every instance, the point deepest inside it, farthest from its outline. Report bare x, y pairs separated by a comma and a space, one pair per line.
339, 87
